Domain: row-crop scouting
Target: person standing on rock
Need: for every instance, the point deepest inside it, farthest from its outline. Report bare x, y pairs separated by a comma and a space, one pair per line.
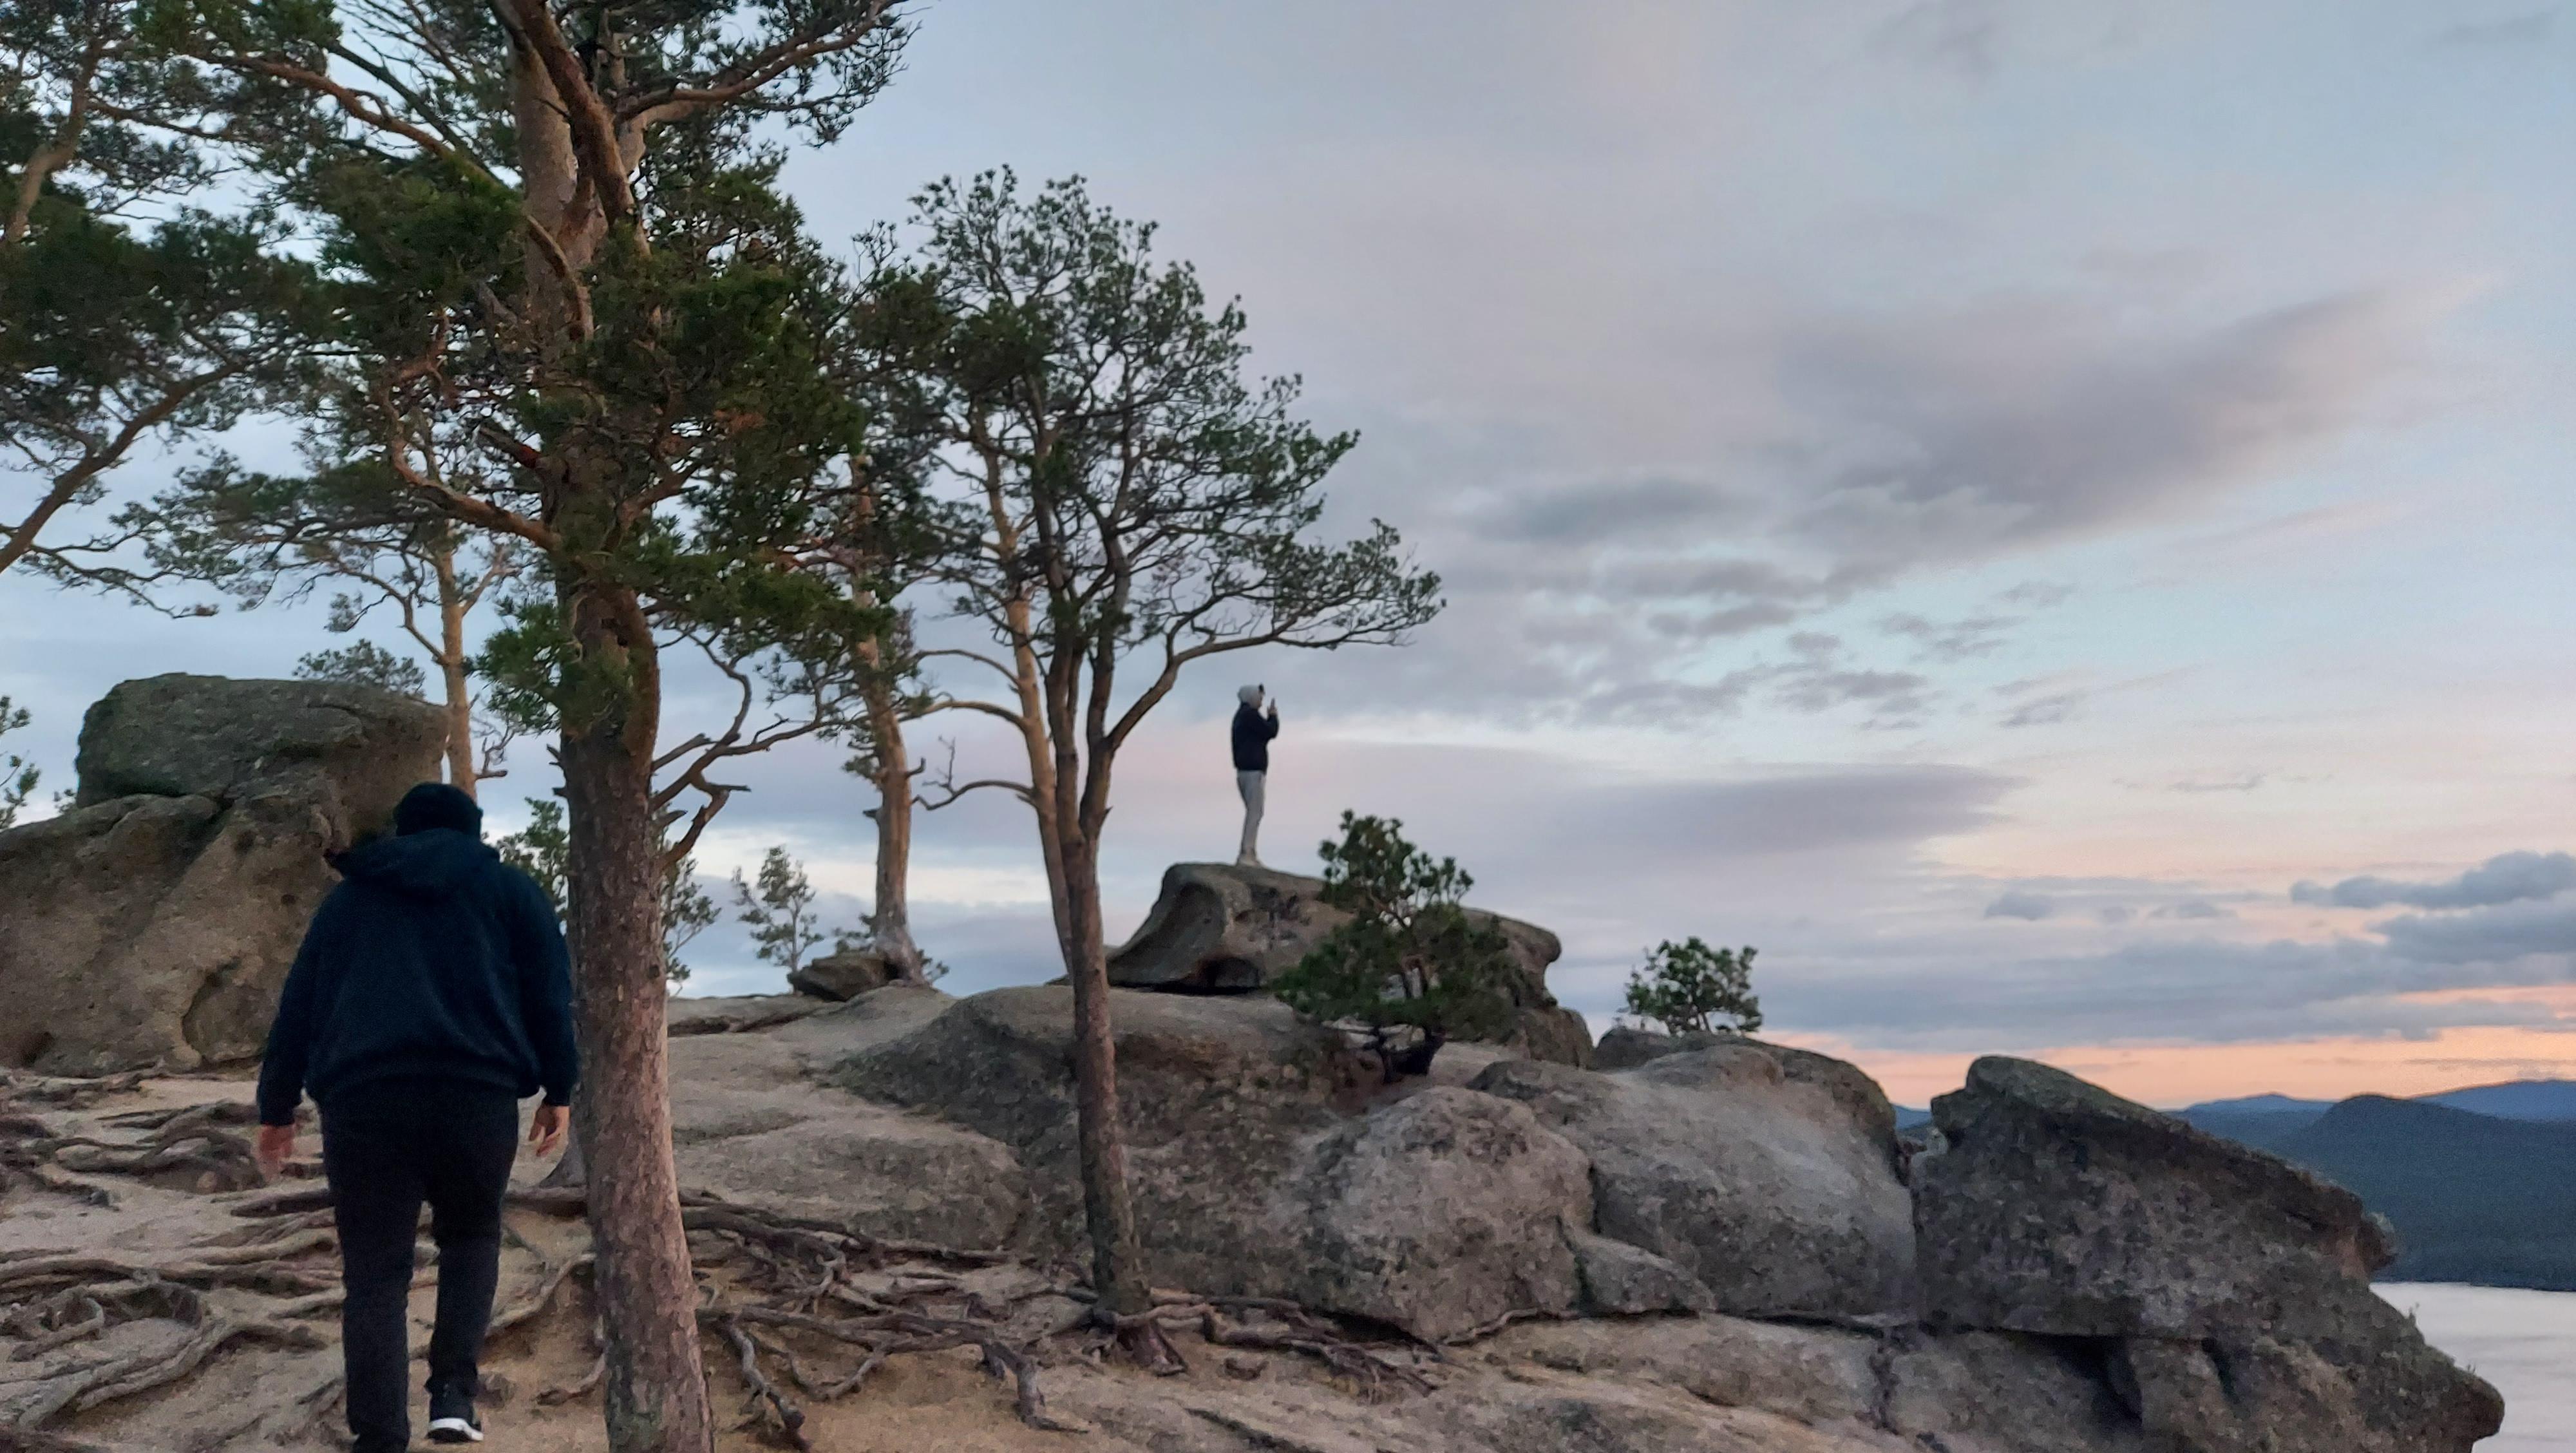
1252, 733
431, 995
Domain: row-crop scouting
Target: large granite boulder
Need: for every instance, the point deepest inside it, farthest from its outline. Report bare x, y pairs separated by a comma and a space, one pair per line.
1442, 1213
154, 923
1219, 928
2046, 1204
215, 737
1257, 1165
2231, 1287
1768, 1174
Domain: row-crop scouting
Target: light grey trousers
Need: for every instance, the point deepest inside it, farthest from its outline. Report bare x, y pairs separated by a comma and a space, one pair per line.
1250, 785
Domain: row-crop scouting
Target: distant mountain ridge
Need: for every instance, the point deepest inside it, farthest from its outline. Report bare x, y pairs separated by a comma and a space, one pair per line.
2474, 1197
2268, 1121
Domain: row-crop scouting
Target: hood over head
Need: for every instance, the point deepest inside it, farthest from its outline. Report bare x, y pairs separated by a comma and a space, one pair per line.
435, 804
1249, 695
431, 863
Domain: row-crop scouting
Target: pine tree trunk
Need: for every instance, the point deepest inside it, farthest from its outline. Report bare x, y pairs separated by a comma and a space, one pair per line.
463, 772
459, 695
1109, 1212
890, 925
655, 1397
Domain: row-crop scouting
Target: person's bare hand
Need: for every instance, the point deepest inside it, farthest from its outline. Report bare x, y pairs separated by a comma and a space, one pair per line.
275, 1145
546, 1128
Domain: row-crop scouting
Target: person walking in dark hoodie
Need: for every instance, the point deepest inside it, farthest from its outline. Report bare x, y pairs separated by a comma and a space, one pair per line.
431, 995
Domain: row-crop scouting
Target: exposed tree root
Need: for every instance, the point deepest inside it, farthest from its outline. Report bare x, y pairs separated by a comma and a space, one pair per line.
1302, 1333
27, 1440
580, 1388
783, 1417
68, 1093
780, 1291
187, 1141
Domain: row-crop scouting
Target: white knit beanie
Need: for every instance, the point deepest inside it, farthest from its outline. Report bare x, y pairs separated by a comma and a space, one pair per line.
1249, 696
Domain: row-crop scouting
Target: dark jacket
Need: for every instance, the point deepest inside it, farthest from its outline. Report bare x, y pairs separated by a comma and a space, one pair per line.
1252, 734
432, 960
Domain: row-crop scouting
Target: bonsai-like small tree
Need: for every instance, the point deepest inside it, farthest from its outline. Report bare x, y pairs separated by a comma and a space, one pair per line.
1410, 958
779, 910
1690, 988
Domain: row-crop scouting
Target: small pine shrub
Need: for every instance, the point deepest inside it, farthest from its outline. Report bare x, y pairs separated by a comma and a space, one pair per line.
1690, 988
1411, 968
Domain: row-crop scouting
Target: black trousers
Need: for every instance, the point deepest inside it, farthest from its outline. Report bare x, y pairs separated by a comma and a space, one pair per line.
387, 1146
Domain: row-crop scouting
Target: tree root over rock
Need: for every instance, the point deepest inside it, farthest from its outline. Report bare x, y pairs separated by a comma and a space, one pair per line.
187, 1142
790, 1298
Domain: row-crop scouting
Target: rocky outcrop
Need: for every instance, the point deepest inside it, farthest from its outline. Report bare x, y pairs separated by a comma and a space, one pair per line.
218, 738
1218, 928
2050, 1205
1766, 1174
154, 923
1255, 1168
1270, 1165
1441, 1213
842, 975
2232, 1286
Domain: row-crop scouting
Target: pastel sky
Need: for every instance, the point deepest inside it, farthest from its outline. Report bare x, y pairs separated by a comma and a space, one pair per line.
1978, 498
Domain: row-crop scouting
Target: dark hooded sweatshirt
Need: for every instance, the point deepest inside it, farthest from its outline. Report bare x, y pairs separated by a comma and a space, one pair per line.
432, 960
1252, 734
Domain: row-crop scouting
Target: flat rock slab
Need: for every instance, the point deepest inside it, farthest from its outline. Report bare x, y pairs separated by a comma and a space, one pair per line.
818, 1153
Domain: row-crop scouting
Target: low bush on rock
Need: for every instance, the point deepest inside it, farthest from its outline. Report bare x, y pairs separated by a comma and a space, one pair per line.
1690, 988
1412, 967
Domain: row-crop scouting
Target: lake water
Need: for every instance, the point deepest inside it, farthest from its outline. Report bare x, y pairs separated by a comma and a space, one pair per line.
2523, 1342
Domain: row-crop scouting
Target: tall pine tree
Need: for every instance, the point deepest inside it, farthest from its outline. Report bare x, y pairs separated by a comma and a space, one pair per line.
559, 247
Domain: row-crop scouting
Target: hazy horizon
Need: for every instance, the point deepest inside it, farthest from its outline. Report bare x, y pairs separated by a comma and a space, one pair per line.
2051, 521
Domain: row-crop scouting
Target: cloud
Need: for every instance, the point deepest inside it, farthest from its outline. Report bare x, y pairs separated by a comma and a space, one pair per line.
2506, 878
1574, 513
2027, 906
2492, 934
2239, 782
1964, 38
1950, 641
2195, 908
2055, 707
2029, 423
2115, 914
1888, 445
2197, 991
1891, 693
2533, 28
2037, 594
